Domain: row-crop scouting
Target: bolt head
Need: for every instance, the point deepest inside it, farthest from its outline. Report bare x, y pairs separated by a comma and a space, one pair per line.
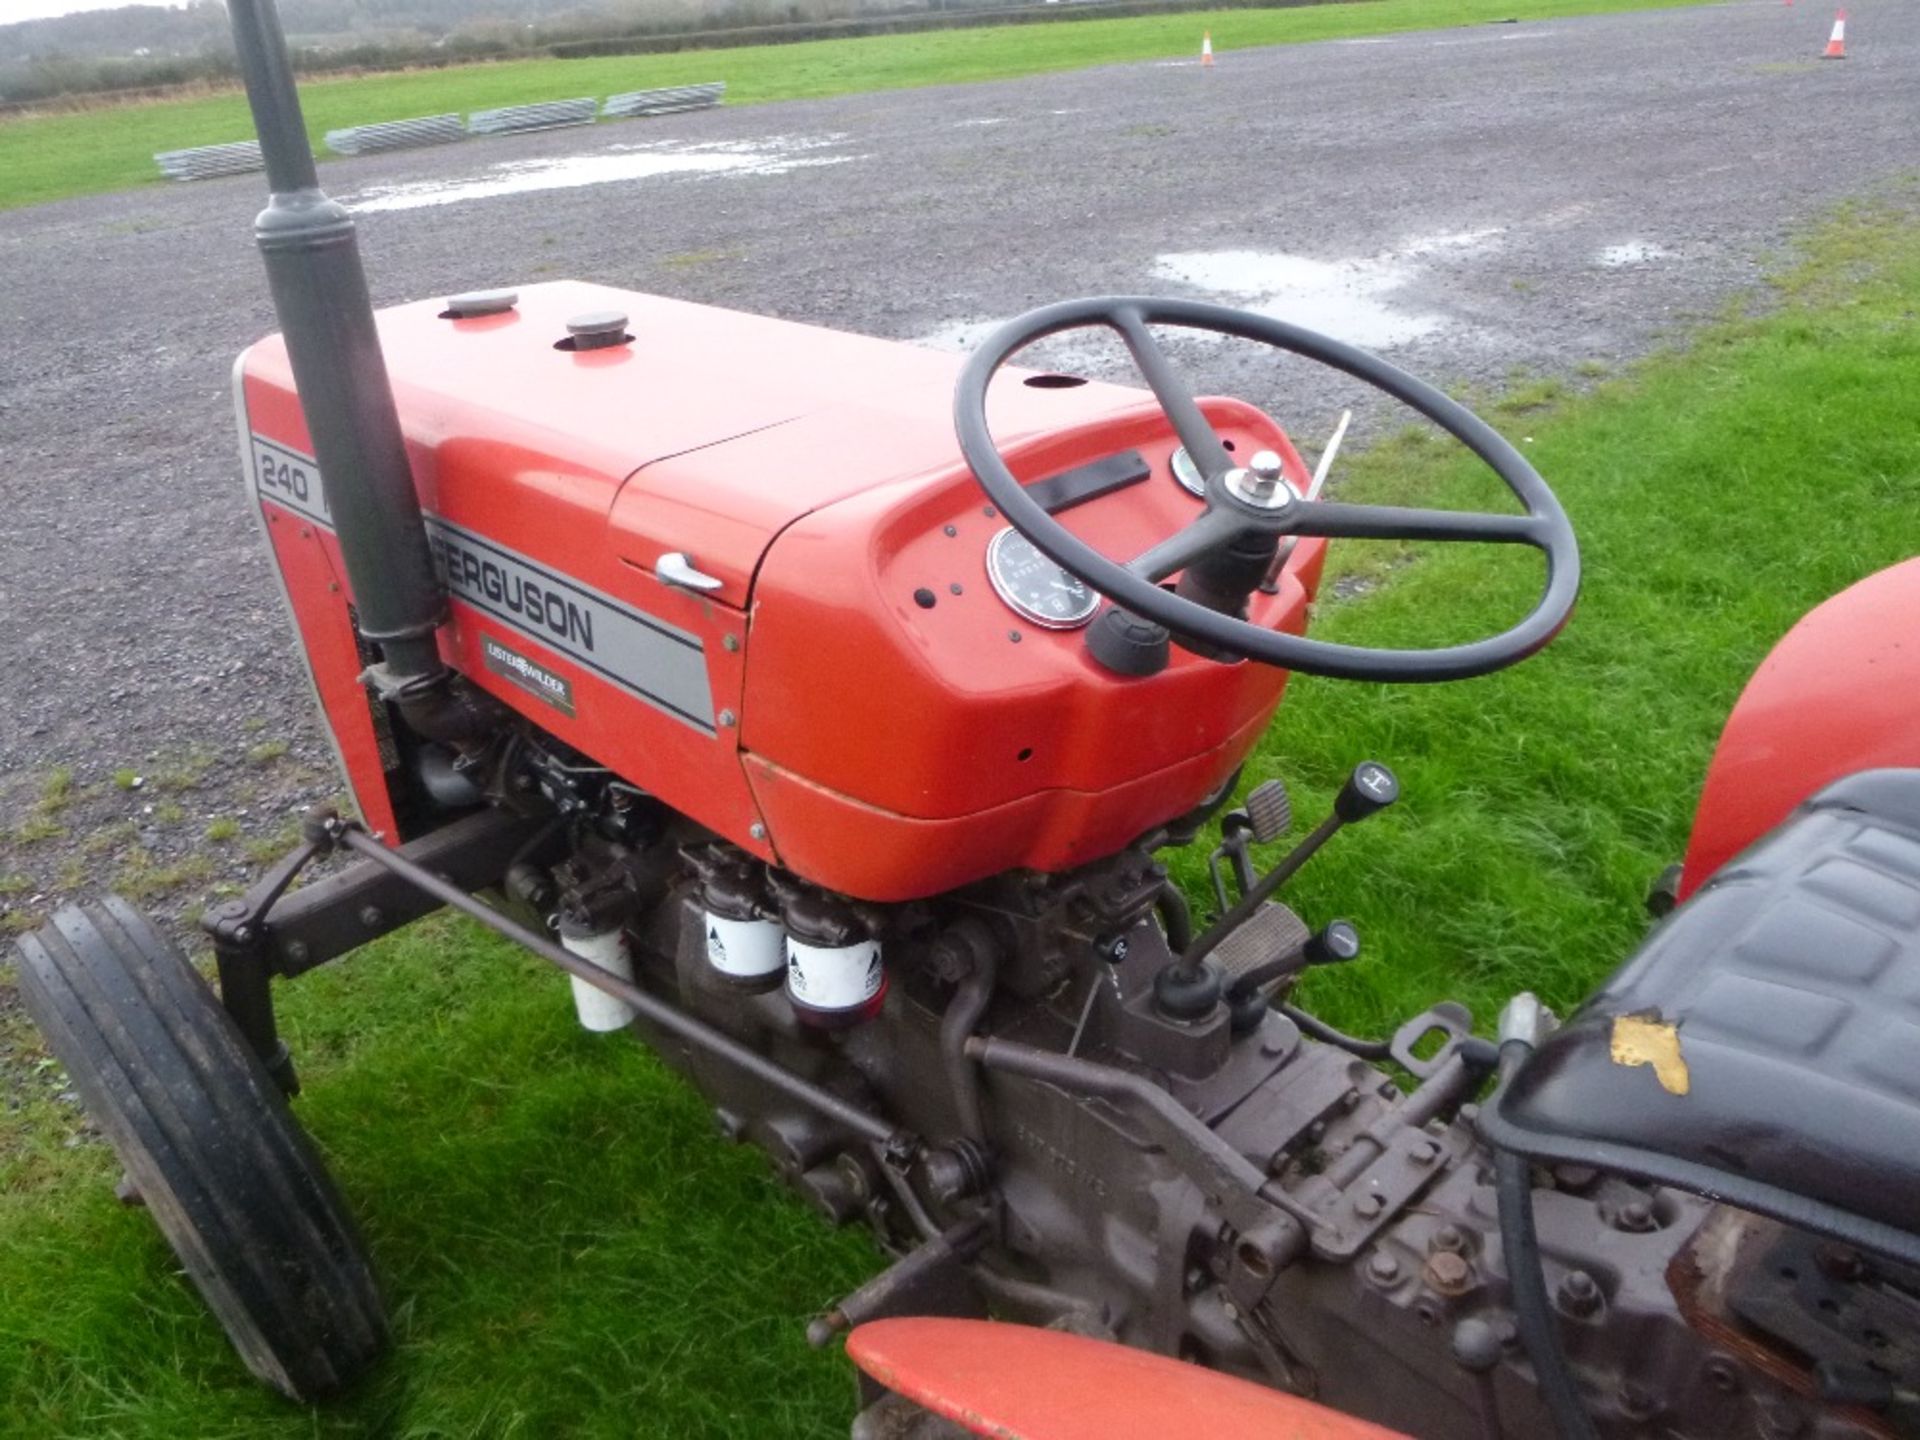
1722, 1375
1636, 1215
1579, 1293
1449, 1273
1369, 1205
1383, 1268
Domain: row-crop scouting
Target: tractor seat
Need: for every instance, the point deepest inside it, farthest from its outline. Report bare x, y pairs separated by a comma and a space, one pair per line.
1018, 1383
1763, 1046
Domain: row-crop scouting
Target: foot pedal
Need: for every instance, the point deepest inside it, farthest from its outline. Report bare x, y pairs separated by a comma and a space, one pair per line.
1270, 933
1269, 811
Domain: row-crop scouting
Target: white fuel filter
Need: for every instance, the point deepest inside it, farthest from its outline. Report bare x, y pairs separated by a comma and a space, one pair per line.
599, 1011
834, 985
745, 952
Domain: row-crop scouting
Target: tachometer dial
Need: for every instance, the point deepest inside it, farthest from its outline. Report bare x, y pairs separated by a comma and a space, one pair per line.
1034, 587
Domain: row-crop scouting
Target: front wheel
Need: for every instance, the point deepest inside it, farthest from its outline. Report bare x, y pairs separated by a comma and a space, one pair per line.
208, 1142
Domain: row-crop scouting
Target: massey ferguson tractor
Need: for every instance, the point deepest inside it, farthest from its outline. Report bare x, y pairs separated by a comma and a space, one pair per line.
824, 708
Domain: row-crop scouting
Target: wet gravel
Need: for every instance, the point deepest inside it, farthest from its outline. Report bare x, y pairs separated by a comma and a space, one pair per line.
1514, 199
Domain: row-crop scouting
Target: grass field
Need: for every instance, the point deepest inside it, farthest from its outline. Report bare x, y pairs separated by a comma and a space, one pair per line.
568, 1248
50, 157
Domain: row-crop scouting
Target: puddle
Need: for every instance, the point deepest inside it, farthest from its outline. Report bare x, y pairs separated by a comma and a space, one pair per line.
1091, 353
1496, 39
774, 155
1633, 252
1348, 299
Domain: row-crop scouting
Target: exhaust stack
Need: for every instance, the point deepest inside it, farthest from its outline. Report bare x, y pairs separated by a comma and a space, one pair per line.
326, 315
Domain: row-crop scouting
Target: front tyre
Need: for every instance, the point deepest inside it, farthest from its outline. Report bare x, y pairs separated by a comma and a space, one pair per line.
208, 1141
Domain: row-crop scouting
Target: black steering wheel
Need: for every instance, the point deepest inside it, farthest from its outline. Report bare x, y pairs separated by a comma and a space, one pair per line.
1243, 506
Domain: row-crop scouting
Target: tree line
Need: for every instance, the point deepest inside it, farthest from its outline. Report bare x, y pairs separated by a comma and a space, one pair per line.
146, 48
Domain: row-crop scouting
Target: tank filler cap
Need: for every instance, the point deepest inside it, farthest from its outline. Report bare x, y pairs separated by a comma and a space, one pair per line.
598, 329
475, 303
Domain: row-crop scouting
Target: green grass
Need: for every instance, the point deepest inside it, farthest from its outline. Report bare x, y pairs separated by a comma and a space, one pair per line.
49, 157
568, 1247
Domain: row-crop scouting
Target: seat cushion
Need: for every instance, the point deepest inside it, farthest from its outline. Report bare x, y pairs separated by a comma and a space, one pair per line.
1764, 1043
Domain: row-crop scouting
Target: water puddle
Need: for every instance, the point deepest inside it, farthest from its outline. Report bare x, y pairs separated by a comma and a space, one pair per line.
1348, 299
618, 164
1090, 353
1632, 252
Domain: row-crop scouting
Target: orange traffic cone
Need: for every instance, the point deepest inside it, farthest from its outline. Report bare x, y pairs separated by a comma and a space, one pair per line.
1837, 46
1206, 49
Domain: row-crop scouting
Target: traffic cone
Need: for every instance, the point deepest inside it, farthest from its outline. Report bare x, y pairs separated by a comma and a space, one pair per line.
1837, 45
1206, 49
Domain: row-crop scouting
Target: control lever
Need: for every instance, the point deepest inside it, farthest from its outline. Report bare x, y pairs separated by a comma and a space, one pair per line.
1271, 584
1265, 815
1186, 989
1335, 943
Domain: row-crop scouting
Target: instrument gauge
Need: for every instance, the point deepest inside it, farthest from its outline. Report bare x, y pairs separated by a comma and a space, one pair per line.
1035, 588
1187, 473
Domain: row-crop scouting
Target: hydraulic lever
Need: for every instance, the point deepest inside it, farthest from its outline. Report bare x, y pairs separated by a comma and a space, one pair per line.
1335, 943
1188, 989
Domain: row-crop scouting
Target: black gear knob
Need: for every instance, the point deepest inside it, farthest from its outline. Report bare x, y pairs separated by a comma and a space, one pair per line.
1336, 943
1369, 789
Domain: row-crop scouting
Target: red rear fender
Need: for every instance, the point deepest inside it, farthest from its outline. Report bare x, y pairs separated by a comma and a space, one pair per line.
1840, 693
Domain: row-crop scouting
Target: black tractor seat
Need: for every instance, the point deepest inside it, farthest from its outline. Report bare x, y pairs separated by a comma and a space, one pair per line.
1763, 1046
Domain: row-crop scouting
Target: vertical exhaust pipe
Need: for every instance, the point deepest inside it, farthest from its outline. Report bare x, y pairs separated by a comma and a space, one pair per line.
326, 315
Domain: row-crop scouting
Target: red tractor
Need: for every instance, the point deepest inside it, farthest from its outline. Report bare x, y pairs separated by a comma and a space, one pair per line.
783, 687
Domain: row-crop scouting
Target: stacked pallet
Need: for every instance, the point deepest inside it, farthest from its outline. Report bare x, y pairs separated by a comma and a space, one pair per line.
663, 102
203, 162
547, 115
396, 135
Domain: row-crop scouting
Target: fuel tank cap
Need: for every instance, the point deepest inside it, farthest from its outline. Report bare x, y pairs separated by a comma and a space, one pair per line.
479, 302
598, 329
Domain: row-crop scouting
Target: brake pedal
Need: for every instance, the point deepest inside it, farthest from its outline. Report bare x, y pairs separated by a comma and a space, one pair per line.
1273, 932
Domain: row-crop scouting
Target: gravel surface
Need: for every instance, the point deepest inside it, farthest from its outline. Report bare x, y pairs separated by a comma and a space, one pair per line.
1516, 199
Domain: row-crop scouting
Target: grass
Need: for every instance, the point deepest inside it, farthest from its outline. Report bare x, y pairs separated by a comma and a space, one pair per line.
577, 1256
570, 1250
50, 157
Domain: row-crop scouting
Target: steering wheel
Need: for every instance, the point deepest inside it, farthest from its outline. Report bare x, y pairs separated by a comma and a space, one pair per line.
1244, 507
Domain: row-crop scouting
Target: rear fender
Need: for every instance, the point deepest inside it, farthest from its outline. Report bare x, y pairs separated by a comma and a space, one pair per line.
1840, 693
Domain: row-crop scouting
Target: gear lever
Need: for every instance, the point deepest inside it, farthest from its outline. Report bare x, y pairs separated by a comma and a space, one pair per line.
1186, 989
